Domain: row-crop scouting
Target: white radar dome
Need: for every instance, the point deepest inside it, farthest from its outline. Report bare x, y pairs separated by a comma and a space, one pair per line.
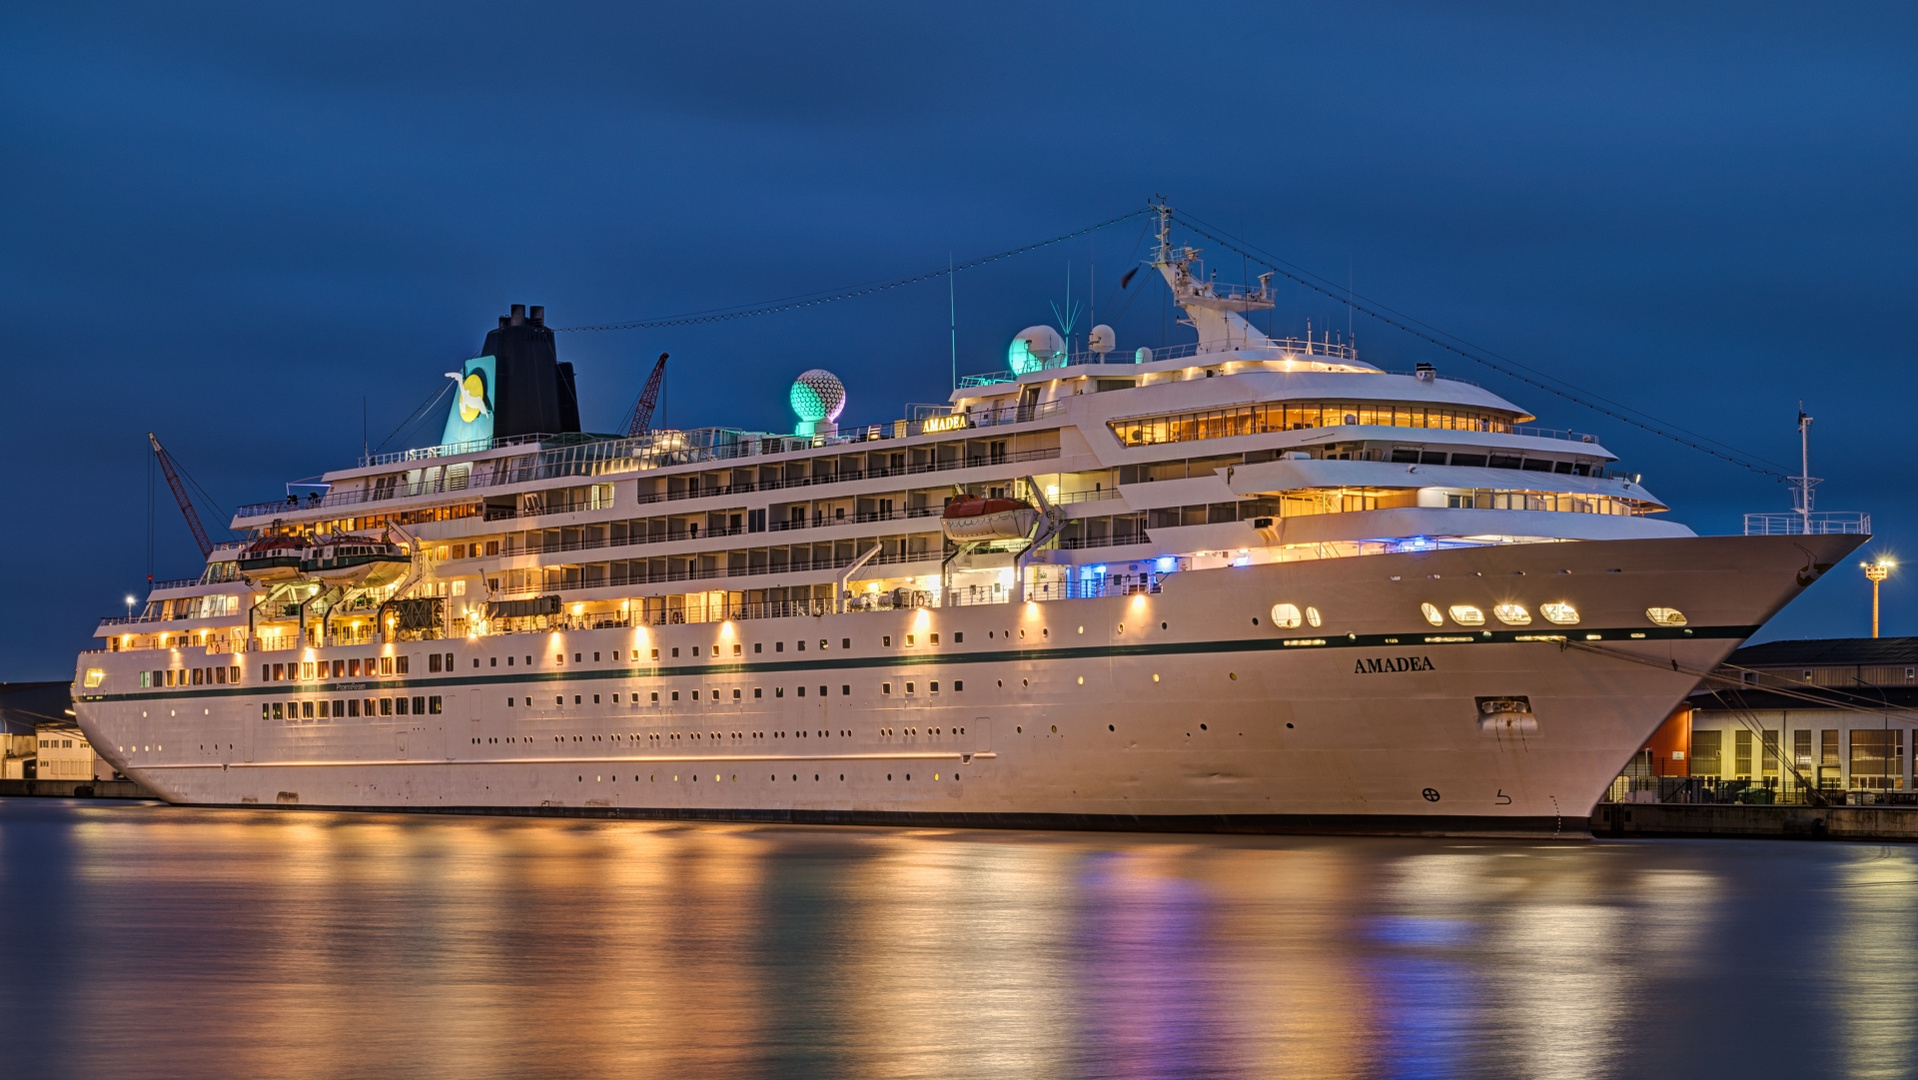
1102, 340
818, 397
1033, 348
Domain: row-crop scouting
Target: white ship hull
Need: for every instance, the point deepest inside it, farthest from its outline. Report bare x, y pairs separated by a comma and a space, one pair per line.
1173, 710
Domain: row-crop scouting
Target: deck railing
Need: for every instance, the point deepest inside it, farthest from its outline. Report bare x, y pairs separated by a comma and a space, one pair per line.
1814, 524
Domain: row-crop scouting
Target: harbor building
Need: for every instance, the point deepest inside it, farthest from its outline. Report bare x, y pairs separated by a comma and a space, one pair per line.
1835, 714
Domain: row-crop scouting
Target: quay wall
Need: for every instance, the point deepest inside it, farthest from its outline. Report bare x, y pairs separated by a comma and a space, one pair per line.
75, 789
1898, 823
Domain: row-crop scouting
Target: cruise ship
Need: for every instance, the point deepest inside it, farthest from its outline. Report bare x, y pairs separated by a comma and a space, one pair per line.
1247, 583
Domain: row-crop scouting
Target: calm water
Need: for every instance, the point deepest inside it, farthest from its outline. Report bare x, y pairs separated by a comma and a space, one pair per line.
154, 941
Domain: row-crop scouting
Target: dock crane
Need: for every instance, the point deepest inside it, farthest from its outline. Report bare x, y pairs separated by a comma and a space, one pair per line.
180, 496
642, 419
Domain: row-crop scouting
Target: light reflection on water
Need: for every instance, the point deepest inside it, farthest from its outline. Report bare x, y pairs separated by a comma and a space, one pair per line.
151, 940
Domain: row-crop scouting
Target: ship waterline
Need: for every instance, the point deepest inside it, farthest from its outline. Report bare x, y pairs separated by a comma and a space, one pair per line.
1186, 709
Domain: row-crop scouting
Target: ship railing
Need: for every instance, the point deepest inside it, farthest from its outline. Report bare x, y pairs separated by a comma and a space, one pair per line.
619, 576
1873, 789
973, 461
1289, 348
1553, 433
1819, 523
608, 466
1098, 586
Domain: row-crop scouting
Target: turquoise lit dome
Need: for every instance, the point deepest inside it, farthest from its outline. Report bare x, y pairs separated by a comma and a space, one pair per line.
1034, 348
818, 397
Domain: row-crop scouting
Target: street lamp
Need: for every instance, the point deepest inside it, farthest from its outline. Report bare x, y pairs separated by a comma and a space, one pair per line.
129, 605
1876, 571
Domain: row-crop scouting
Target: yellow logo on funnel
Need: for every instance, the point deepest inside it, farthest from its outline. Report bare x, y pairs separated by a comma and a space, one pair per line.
473, 398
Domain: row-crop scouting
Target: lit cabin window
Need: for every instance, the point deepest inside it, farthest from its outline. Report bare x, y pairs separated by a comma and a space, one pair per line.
1665, 616
1312, 616
1467, 615
95, 676
1559, 614
1512, 614
1286, 616
1432, 614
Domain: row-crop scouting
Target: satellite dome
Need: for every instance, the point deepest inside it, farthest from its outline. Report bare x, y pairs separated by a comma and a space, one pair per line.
817, 397
1033, 348
1102, 339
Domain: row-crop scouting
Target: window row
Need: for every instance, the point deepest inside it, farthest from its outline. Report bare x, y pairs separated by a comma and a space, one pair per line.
735, 694
1267, 419
209, 676
349, 668
327, 709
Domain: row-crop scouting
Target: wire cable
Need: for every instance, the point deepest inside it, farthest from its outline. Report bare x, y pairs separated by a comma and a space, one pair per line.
1509, 368
414, 417
805, 300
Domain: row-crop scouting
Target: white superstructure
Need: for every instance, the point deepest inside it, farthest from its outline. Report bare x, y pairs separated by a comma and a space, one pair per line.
1266, 585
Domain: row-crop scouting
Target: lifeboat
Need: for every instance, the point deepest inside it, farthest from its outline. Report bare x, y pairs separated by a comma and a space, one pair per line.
975, 519
272, 559
355, 561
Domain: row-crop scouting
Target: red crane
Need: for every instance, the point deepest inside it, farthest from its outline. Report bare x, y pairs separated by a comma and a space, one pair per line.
642, 421
179, 496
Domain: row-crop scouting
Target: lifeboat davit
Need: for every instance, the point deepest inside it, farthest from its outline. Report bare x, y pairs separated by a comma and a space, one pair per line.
355, 561
272, 559
974, 519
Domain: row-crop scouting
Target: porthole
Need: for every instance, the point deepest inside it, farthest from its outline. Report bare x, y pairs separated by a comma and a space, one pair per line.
1665, 616
1512, 614
1286, 616
1467, 615
1432, 614
1560, 614
1312, 616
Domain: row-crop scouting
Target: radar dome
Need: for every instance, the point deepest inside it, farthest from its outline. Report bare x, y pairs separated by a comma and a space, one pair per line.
817, 397
1033, 348
1102, 340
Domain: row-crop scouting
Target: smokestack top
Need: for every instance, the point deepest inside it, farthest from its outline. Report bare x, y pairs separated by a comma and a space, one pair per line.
518, 315
537, 313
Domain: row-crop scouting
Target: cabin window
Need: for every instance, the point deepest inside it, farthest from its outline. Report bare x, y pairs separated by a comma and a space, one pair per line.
958, 685
352, 706
432, 704
386, 706
1512, 614
1467, 615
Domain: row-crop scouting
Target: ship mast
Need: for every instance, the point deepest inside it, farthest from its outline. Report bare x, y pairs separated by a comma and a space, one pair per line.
1804, 481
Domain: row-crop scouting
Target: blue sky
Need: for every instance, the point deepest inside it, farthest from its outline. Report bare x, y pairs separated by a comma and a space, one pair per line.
234, 224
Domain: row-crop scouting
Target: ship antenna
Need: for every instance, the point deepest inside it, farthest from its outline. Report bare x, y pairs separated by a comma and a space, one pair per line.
952, 316
1804, 465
